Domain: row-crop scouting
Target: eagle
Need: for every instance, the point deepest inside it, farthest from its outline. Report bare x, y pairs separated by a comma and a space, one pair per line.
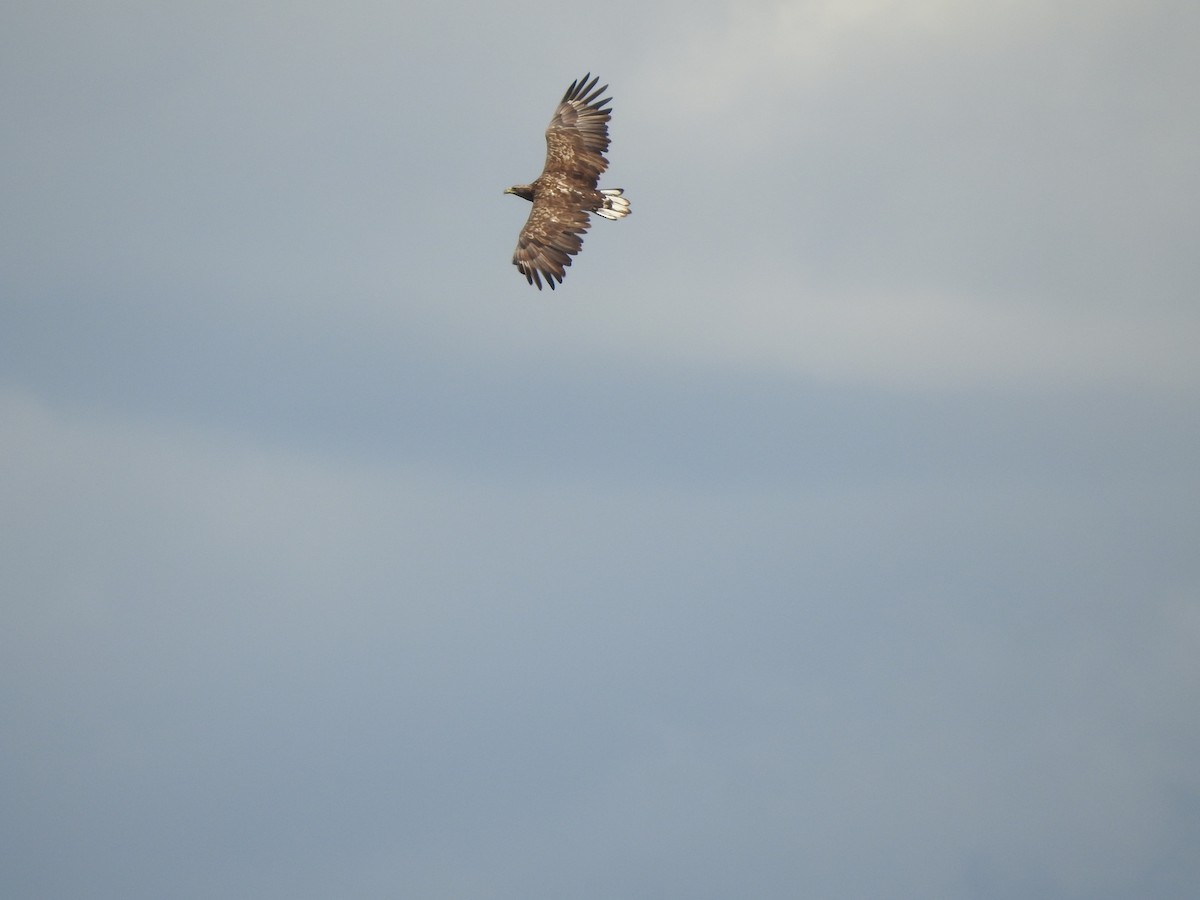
567, 190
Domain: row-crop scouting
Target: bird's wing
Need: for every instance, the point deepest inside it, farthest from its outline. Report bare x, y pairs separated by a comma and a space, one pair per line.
553, 233
577, 137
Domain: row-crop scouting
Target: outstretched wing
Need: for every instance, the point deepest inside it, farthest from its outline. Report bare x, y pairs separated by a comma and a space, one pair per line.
575, 143
578, 135
551, 236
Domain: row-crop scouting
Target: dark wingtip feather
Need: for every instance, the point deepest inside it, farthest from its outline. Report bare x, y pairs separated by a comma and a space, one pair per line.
580, 87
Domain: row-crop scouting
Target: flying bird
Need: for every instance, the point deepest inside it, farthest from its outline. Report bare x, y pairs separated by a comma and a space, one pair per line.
567, 190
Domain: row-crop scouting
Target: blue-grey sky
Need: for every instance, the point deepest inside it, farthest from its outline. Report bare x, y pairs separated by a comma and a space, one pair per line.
831, 532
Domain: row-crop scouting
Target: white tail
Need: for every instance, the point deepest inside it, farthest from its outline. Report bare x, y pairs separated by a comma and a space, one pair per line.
615, 206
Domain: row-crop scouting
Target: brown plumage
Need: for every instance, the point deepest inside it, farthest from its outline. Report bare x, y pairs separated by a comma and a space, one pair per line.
566, 191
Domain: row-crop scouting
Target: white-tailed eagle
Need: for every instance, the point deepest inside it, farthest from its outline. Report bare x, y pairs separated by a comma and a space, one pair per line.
566, 191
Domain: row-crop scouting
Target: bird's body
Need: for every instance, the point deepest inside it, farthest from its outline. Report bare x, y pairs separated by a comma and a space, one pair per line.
567, 191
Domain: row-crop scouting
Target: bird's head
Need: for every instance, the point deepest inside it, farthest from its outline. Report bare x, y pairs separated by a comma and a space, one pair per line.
521, 190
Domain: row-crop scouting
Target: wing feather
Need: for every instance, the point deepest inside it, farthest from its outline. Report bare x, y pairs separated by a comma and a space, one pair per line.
550, 238
577, 136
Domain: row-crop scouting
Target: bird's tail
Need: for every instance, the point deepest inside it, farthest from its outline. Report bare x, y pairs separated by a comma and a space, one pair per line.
615, 206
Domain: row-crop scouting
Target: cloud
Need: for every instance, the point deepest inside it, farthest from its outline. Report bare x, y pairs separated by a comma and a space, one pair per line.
391, 667
908, 341
924, 195
742, 61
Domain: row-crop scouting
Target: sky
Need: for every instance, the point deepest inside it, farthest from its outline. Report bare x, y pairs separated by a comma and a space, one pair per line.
830, 532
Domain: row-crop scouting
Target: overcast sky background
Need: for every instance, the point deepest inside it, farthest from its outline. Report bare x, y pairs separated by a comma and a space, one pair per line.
831, 532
